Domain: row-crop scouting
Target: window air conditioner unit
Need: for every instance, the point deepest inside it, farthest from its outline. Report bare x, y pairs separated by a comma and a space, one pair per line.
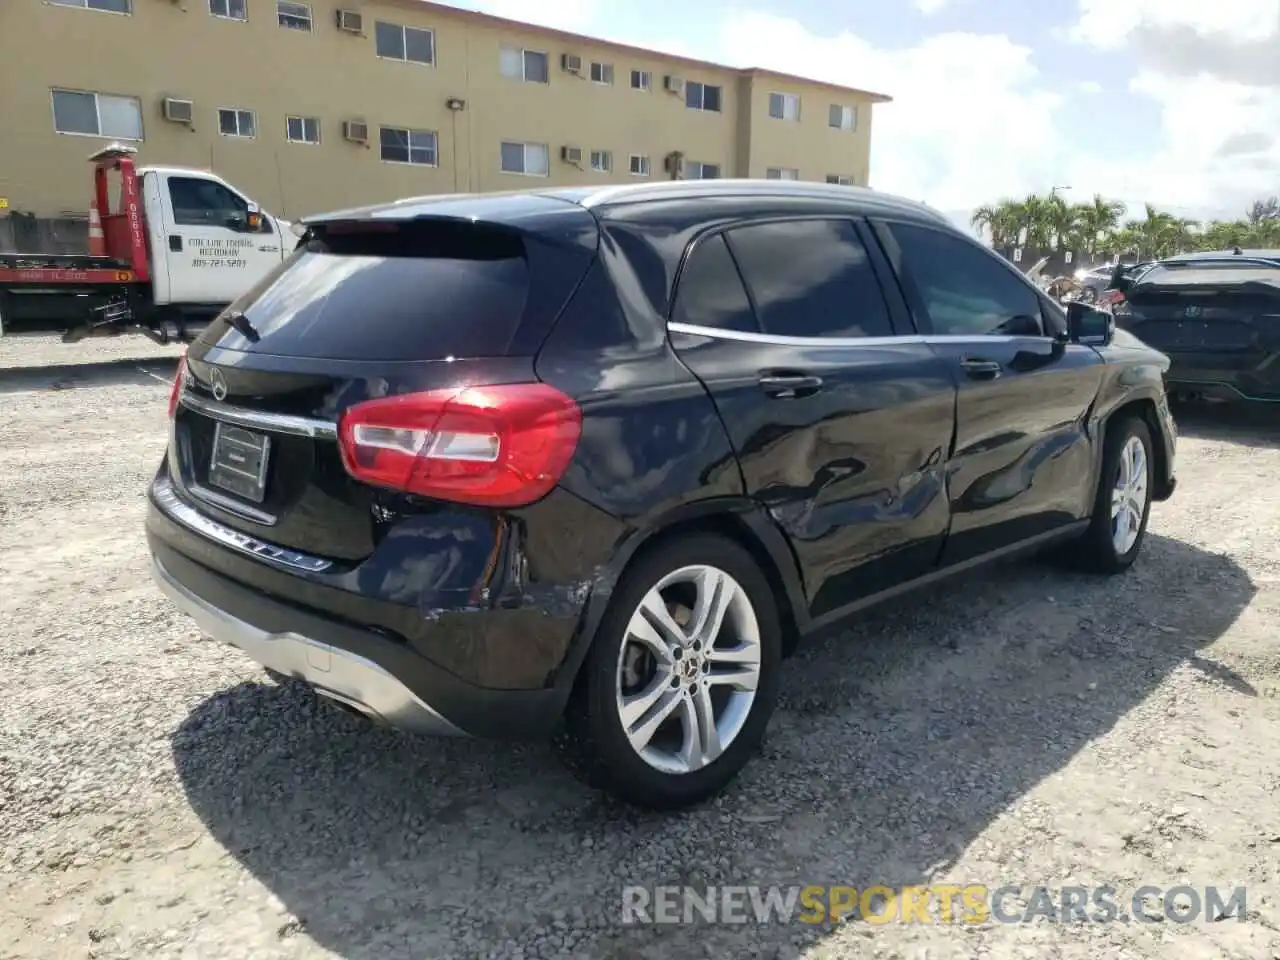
571, 155
350, 21
357, 131
673, 84
571, 63
179, 111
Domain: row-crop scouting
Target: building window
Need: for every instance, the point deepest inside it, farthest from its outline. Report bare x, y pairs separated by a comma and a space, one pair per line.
840, 179
702, 96
697, 170
601, 161
401, 145
782, 173
527, 65
295, 16
843, 118
106, 6
302, 129
410, 44
236, 123
527, 158
639, 165
784, 106
641, 80
229, 9
97, 115
602, 73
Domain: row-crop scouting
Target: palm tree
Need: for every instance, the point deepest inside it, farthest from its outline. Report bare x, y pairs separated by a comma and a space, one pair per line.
1035, 218
1060, 220
1098, 220
1001, 220
1047, 222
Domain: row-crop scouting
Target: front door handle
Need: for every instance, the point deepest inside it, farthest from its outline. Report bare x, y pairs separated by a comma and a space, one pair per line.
175, 242
980, 369
790, 386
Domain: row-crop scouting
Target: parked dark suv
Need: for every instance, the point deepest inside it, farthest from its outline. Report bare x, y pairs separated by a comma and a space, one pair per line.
587, 462
1217, 316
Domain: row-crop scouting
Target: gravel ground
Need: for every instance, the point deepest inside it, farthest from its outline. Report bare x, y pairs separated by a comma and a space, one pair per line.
159, 796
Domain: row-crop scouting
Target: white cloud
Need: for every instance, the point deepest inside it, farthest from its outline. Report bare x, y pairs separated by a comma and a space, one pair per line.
930, 7
970, 117
1110, 24
1091, 87
1211, 70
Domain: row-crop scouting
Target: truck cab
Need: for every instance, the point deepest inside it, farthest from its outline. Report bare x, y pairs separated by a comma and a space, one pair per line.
208, 242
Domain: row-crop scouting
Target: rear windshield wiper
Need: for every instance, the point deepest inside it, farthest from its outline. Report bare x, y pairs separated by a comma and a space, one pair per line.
240, 323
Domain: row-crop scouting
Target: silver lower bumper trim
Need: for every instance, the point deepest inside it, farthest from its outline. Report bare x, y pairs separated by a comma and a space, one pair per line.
336, 674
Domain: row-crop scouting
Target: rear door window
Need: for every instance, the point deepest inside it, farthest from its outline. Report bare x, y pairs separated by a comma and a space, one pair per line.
402, 293
811, 278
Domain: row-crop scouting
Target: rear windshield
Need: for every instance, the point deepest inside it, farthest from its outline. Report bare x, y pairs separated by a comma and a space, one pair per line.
1209, 273
399, 292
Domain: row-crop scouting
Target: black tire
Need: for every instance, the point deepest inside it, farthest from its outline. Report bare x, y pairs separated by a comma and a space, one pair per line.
1095, 551
593, 742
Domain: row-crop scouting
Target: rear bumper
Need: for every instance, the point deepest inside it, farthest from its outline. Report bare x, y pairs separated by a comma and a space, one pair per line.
335, 672
381, 677
1254, 377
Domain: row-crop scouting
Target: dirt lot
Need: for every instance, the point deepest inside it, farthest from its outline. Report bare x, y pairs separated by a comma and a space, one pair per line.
160, 797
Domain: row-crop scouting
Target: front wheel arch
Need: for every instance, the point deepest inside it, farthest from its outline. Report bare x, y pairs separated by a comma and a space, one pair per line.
1144, 409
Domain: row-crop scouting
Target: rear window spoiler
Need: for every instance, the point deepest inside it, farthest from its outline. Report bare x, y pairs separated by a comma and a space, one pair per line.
1266, 282
548, 220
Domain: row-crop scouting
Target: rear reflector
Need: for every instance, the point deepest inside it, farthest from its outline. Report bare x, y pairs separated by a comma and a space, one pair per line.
498, 446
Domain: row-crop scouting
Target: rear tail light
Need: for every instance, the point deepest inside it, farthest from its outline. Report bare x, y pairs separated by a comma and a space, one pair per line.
179, 376
499, 446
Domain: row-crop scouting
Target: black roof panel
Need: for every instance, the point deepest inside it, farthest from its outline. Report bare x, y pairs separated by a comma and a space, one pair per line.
518, 206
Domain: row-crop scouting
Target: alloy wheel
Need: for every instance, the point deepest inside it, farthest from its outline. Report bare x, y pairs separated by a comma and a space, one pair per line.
689, 669
1129, 496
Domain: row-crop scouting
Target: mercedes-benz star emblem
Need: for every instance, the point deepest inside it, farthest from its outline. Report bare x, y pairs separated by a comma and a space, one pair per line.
218, 384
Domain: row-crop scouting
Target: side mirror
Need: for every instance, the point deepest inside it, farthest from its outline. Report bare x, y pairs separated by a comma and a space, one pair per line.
237, 222
1086, 324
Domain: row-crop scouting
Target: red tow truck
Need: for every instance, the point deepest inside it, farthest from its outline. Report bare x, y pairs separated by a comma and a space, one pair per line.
178, 246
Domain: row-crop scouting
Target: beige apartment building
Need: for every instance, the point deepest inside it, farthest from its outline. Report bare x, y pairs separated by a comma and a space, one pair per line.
310, 106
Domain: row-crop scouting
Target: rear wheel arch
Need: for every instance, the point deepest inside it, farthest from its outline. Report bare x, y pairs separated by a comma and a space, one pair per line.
744, 528
744, 523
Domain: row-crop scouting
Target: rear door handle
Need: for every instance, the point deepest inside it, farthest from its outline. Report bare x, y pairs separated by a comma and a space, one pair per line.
790, 386
981, 369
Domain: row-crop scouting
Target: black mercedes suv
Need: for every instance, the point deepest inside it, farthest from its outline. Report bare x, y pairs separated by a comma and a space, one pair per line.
585, 464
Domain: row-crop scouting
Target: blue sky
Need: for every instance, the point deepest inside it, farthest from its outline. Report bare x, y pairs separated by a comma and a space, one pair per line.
1176, 102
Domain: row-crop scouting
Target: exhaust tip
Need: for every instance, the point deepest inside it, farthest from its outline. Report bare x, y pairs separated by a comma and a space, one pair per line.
347, 705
